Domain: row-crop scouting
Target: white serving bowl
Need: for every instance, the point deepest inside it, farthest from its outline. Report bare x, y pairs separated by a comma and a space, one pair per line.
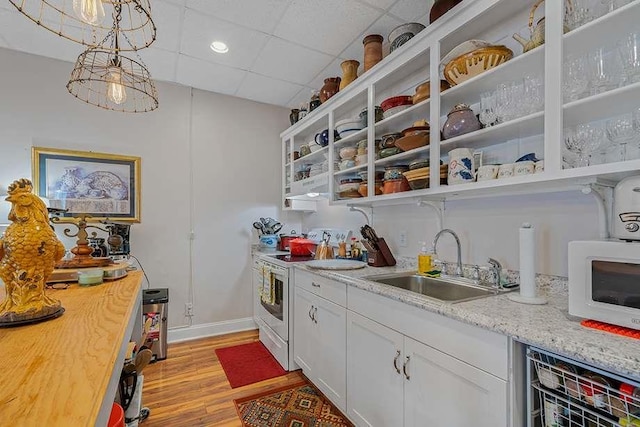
348, 127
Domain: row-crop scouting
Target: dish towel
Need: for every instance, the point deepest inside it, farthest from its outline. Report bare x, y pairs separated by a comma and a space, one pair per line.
268, 291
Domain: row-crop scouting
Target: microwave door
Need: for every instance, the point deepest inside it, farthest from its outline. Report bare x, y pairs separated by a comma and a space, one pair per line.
615, 283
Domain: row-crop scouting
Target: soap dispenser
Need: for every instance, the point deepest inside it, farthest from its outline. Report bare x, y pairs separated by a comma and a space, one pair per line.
424, 260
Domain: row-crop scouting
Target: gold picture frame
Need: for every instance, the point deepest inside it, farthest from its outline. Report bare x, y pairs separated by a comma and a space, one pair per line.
105, 186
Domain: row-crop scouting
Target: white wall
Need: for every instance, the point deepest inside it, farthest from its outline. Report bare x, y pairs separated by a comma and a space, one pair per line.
486, 227
229, 148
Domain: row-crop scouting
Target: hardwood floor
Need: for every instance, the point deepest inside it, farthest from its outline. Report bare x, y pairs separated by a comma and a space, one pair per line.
190, 389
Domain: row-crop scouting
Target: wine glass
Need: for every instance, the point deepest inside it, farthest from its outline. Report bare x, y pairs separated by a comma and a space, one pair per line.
575, 143
533, 94
603, 75
590, 139
629, 50
575, 80
488, 114
577, 14
620, 131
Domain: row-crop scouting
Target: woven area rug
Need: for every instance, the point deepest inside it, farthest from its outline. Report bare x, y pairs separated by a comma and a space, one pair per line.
248, 363
298, 405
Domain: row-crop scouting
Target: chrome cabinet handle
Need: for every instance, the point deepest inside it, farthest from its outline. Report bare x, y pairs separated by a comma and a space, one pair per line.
315, 285
395, 361
404, 368
310, 315
315, 311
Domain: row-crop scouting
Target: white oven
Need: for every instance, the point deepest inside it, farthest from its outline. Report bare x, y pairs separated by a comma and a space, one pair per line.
273, 310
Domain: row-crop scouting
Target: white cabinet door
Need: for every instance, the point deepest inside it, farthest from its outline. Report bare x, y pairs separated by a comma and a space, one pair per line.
374, 382
331, 350
304, 331
444, 391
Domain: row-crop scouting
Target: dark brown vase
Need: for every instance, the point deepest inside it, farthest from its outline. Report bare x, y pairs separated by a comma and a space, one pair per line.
440, 7
330, 88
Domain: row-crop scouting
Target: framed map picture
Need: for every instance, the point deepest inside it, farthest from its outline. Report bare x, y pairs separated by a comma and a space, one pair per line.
83, 182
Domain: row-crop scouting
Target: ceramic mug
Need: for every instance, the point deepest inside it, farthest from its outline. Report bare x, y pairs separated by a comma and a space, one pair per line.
304, 150
539, 166
487, 172
461, 166
523, 168
506, 170
322, 138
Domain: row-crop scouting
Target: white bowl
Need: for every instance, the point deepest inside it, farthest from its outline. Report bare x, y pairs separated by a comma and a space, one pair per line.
348, 127
394, 110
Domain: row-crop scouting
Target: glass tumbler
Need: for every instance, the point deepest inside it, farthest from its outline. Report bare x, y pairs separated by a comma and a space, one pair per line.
488, 116
603, 75
575, 80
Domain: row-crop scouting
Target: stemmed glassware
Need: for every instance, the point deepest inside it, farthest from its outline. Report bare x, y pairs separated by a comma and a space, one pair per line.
603, 72
533, 100
577, 13
583, 141
620, 131
629, 49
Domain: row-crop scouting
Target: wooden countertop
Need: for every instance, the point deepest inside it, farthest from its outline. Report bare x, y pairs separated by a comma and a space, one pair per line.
59, 372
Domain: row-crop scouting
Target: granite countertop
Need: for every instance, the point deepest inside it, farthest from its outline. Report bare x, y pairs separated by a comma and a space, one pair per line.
546, 326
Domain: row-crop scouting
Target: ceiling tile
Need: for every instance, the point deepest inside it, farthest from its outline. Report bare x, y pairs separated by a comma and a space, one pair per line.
332, 70
304, 23
168, 20
382, 26
21, 34
161, 63
268, 90
381, 4
411, 10
208, 76
200, 30
260, 15
302, 97
287, 61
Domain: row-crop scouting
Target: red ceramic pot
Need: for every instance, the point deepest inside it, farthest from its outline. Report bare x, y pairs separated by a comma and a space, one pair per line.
396, 101
301, 247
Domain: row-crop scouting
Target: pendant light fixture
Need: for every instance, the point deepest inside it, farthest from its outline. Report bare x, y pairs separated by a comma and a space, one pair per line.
104, 77
83, 21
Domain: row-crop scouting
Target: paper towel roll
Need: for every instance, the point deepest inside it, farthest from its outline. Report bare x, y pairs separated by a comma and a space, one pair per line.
527, 261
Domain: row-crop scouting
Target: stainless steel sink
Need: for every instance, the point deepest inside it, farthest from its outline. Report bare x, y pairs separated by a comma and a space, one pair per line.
450, 290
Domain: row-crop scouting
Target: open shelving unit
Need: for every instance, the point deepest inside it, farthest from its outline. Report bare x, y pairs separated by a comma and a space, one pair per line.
419, 60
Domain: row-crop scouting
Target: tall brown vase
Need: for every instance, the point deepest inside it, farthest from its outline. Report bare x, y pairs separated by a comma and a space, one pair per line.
349, 72
440, 7
330, 88
372, 50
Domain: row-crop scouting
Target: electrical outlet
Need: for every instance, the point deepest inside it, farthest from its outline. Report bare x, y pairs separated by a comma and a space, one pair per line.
402, 239
188, 309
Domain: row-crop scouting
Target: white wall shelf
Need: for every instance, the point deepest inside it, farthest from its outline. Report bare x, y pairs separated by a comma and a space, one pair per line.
418, 61
350, 170
317, 155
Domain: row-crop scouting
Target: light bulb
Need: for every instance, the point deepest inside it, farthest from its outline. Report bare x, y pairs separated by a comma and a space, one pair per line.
115, 90
89, 11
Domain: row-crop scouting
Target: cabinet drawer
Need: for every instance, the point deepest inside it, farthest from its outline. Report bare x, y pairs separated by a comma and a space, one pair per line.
326, 288
479, 347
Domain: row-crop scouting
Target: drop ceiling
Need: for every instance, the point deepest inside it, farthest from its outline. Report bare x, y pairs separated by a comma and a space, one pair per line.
279, 50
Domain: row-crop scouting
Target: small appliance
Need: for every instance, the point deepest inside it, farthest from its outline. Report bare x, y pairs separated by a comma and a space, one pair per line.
604, 275
626, 209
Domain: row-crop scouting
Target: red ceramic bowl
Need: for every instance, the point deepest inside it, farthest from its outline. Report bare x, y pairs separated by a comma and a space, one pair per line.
396, 101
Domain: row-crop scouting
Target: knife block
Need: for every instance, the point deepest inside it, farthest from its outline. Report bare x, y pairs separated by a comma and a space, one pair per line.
380, 257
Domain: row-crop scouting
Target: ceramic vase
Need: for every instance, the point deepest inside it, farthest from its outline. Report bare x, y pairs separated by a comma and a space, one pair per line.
314, 102
460, 120
461, 166
349, 72
372, 50
330, 88
293, 117
440, 7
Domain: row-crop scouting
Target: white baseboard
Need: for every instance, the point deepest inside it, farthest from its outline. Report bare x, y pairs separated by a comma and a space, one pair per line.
210, 329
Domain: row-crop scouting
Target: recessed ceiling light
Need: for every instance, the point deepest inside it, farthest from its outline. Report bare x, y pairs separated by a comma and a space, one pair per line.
219, 47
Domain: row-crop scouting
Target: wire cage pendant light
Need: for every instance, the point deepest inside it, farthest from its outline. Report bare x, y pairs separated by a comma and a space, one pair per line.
104, 77
112, 81
88, 21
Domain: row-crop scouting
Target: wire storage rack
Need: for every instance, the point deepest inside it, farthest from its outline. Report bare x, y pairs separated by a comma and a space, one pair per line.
566, 393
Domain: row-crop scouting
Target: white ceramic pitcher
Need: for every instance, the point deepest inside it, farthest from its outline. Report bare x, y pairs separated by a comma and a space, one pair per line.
461, 166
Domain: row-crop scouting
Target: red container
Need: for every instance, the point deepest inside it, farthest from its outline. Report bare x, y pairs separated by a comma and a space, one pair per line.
116, 418
302, 247
285, 239
396, 101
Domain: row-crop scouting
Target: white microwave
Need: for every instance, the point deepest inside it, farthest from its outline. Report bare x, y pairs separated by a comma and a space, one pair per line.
604, 281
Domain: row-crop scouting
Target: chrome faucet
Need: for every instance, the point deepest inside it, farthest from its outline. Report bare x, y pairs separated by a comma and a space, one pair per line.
455, 236
496, 270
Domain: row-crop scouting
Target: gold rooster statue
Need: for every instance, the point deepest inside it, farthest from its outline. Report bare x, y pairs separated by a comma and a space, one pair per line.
28, 252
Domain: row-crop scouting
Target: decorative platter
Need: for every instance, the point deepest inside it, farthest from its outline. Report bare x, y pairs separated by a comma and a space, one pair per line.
335, 264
